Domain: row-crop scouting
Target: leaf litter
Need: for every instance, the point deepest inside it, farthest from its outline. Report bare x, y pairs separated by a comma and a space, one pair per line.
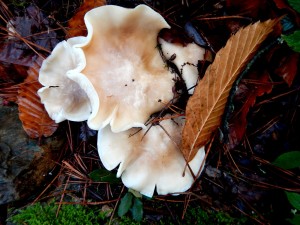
239, 177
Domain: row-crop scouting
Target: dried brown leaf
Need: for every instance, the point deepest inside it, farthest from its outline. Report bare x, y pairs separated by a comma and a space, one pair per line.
205, 108
32, 113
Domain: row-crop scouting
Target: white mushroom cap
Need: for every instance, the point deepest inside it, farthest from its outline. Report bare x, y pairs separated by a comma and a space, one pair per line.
125, 77
63, 98
113, 76
186, 60
149, 161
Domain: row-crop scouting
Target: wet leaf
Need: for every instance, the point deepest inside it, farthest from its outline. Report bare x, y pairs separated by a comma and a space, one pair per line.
294, 199
102, 175
137, 209
288, 160
27, 37
205, 108
293, 40
35, 120
125, 205
76, 24
287, 65
284, 6
256, 84
221, 28
258, 9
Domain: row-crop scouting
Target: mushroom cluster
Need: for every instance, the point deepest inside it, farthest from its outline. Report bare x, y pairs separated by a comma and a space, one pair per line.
115, 78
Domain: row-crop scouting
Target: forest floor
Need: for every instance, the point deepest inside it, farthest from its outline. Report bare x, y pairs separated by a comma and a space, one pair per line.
244, 181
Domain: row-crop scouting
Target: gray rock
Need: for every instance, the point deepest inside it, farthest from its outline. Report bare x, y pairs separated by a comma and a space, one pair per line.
24, 162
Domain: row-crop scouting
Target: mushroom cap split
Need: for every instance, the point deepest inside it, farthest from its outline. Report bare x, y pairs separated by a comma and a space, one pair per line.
150, 159
186, 59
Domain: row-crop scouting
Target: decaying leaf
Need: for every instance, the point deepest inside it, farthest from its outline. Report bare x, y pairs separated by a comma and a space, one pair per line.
258, 9
32, 113
205, 108
257, 84
286, 65
76, 24
26, 37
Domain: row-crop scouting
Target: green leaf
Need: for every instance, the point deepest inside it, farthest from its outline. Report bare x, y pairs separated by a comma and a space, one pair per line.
295, 220
294, 199
295, 4
289, 160
125, 205
293, 40
102, 175
135, 193
137, 209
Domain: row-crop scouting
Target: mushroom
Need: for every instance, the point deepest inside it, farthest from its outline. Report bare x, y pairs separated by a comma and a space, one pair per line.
150, 159
186, 59
124, 72
64, 98
117, 67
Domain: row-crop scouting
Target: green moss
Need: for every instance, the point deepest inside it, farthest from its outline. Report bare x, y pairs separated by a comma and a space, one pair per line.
44, 214
201, 217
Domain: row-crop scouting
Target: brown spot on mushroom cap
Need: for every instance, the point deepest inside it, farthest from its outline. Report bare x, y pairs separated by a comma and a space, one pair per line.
122, 49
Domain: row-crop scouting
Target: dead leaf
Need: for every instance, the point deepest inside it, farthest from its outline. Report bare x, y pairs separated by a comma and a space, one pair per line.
32, 113
205, 108
222, 27
256, 9
286, 64
26, 37
286, 8
256, 84
76, 24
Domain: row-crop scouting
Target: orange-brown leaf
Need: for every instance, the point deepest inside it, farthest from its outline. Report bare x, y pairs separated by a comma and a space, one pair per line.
32, 113
205, 108
76, 24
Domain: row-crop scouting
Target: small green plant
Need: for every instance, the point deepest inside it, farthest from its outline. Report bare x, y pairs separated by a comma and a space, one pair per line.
131, 202
293, 40
295, 4
45, 213
291, 160
103, 175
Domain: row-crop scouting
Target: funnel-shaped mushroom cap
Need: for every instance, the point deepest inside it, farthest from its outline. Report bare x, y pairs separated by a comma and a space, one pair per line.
63, 98
125, 76
149, 159
113, 76
186, 59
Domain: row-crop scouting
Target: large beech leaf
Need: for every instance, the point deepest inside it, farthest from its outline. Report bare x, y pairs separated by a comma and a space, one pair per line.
205, 108
35, 119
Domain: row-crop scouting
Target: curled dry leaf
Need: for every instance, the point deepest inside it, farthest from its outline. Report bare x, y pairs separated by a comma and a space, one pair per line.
205, 108
32, 113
